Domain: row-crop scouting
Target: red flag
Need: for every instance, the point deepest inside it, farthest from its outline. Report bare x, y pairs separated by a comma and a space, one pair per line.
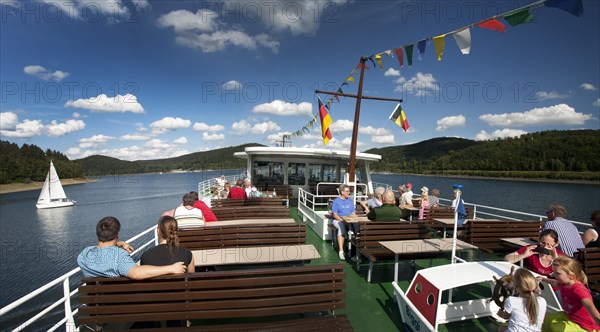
325, 123
400, 56
493, 24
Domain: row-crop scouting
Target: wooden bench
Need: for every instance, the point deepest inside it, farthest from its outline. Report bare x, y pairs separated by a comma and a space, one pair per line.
373, 232
443, 212
590, 262
282, 191
251, 212
257, 299
259, 201
487, 234
243, 236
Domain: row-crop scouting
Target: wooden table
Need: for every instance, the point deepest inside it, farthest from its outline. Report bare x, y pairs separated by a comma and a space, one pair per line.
255, 255
249, 222
407, 247
445, 222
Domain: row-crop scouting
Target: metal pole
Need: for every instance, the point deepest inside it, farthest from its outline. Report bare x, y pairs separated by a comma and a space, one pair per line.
352, 161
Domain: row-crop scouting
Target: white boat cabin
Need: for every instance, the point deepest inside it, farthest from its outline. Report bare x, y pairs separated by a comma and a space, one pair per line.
304, 168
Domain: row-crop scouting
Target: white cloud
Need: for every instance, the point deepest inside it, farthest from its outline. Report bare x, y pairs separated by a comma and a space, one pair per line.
77, 115
45, 74
133, 152
169, 123
543, 95
500, 133
561, 114
383, 139
182, 20
597, 103
26, 129
140, 4
103, 103
244, 127
134, 137
341, 125
276, 137
55, 129
212, 137
94, 141
232, 85
391, 72
373, 131
181, 140
157, 144
588, 86
8, 120
201, 126
448, 122
418, 85
204, 31
280, 107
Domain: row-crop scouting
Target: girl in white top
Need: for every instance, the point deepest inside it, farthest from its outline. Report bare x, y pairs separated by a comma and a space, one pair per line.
527, 310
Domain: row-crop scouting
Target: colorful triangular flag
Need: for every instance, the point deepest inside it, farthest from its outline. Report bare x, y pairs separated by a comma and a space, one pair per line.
421, 45
439, 43
493, 24
400, 56
574, 7
518, 17
463, 40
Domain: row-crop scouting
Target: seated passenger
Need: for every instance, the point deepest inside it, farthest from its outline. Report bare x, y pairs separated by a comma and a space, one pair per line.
534, 257
168, 250
424, 202
590, 236
207, 213
225, 192
343, 206
186, 214
434, 199
388, 211
110, 257
237, 192
374, 201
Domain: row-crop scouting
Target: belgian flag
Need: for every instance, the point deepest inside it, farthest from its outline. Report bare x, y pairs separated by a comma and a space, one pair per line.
399, 118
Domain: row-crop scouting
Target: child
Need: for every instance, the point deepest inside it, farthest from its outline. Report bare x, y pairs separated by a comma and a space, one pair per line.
579, 314
526, 311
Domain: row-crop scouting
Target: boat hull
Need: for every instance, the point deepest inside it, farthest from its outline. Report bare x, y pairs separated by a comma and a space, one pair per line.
52, 205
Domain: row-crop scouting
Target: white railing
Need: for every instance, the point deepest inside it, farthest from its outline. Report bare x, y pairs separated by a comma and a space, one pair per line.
68, 320
205, 187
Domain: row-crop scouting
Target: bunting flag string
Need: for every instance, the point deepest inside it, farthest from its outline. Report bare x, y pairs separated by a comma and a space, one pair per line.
462, 37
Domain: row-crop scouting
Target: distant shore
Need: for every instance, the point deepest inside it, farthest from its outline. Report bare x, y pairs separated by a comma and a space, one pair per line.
17, 187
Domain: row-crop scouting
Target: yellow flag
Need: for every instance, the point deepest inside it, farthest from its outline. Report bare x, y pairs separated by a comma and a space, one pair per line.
378, 59
439, 44
350, 79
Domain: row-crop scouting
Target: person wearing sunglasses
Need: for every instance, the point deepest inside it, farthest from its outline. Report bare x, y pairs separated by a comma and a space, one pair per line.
342, 207
538, 257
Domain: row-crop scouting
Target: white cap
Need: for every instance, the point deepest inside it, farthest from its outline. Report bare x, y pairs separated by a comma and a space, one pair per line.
424, 189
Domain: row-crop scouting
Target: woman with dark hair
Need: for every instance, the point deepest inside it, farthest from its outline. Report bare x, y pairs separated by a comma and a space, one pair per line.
168, 251
538, 257
590, 237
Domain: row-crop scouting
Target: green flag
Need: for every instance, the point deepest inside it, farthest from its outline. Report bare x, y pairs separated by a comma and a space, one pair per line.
518, 17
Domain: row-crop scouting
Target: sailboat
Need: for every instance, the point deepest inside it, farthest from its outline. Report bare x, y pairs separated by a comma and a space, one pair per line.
53, 195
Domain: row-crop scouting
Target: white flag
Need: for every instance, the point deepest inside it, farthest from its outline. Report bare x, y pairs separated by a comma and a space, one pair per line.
463, 40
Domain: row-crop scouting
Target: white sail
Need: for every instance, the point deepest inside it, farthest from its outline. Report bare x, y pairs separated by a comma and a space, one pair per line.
52, 194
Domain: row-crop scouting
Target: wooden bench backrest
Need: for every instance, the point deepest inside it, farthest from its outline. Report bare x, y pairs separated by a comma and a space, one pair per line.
251, 212
443, 212
486, 234
243, 236
590, 262
215, 295
260, 201
372, 232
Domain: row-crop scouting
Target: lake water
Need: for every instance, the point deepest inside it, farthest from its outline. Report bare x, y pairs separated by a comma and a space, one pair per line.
40, 245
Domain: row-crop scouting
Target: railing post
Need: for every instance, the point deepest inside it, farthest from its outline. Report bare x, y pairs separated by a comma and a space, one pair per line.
70, 323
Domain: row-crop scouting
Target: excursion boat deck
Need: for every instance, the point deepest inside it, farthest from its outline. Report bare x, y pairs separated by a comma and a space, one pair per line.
312, 174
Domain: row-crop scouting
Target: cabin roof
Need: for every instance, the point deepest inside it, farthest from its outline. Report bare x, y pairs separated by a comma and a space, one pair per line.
304, 152
450, 276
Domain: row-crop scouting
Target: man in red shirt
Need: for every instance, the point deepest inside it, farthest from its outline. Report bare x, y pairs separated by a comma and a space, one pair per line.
237, 192
209, 216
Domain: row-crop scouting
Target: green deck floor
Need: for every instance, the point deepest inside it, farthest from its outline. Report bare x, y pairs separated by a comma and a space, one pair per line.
371, 306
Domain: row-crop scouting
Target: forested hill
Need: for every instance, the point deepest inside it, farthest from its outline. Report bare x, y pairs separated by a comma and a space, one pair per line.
570, 155
573, 154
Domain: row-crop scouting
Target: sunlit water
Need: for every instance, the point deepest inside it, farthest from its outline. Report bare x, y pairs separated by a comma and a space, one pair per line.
38, 246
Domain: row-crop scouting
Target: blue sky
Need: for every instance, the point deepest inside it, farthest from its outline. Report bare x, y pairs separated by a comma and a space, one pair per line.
155, 79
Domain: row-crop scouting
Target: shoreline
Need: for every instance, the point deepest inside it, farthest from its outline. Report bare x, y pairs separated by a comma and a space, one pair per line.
19, 187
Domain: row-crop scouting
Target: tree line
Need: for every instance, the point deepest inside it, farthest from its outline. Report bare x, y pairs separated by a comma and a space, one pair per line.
567, 155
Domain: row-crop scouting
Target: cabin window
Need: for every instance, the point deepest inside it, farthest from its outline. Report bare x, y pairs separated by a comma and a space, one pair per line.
267, 173
322, 173
296, 174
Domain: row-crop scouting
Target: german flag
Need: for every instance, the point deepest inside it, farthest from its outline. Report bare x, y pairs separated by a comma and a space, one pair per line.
325, 123
399, 118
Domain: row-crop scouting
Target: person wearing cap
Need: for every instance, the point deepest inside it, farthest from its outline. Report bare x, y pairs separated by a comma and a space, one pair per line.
409, 190
424, 202
405, 196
